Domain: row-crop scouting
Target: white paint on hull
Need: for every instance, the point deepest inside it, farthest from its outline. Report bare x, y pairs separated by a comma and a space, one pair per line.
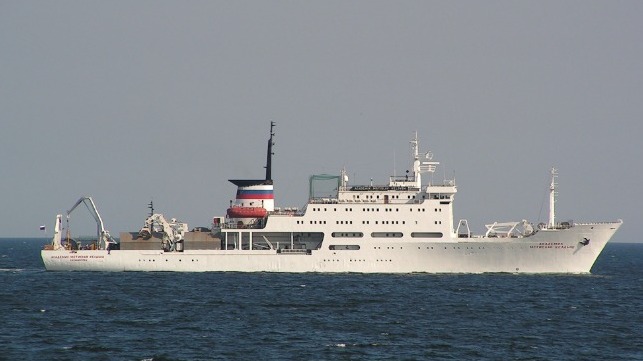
547, 251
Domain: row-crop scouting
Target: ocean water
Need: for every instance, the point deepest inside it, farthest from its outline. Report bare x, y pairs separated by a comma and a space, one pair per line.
234, 316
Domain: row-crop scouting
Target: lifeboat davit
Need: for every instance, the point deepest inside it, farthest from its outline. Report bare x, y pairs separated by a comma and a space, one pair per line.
247, 212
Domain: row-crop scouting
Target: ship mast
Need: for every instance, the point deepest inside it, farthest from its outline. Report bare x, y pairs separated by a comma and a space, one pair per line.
552, 198
416, 161
270, 153
422, 164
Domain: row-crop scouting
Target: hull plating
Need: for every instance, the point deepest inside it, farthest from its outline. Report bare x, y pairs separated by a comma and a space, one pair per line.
548, 251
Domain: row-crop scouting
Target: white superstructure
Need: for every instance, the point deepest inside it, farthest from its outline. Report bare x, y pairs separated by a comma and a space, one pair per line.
403, 226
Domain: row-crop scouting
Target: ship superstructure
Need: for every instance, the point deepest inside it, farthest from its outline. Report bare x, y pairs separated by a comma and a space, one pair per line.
405, 225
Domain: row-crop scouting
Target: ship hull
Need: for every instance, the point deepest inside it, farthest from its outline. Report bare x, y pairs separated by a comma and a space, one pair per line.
547, 251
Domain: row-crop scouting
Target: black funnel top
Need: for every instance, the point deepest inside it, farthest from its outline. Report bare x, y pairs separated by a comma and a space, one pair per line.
268, 180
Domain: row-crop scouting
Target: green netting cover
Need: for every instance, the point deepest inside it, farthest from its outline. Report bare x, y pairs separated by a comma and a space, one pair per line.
323, 186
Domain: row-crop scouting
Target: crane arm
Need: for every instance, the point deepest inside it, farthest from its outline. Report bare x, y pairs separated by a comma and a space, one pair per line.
173, 231
103, 236
91, 206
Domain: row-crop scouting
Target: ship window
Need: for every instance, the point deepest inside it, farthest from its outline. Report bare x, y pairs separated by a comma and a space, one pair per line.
386, 235
338, 247
426, 235
347, 234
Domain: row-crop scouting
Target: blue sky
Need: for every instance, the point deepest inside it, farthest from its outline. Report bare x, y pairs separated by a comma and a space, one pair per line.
166, 100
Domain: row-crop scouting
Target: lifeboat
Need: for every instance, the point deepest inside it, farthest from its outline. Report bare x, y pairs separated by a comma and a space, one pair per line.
247, 212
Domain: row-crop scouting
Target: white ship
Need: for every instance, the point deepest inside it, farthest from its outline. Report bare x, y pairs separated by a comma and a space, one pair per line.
403, 226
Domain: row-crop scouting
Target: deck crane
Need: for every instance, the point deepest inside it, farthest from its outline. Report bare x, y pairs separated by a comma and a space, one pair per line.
103, 237
173, 231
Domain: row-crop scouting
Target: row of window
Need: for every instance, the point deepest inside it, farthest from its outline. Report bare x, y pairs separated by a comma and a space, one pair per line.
394, 196
314, 209
363, 222
166, 260
353, 260
387, 234
369, 222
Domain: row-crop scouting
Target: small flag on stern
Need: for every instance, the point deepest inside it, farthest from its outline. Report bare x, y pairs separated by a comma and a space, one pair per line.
42, 228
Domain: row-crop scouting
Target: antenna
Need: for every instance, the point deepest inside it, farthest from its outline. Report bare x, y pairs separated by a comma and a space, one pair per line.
552, 198
394, 164
150, 206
